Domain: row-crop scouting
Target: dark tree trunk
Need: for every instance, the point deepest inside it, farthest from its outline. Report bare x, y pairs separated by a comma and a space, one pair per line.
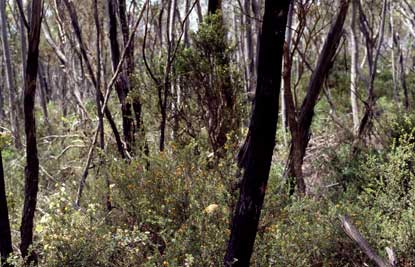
5, 235
301, 131
214, 6
98, 77
43, 91
136, 104
255, 157
121, 86
32, 167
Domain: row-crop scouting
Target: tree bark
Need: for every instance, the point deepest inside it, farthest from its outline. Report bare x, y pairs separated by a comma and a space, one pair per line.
32, 167
256, 154
9, 77
136, 104
121, 86
354, 50
98, 76
5, 235
214, 6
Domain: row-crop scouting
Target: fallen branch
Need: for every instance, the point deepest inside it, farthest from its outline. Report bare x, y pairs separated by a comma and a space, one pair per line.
357, 237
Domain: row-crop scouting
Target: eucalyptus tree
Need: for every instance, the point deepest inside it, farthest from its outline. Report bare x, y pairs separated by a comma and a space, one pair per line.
32, 161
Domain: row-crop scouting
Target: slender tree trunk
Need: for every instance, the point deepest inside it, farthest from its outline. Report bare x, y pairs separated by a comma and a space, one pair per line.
249, 46
402, 75
32, 167
286, 81
199, 12
354, 50
136, 104
122, 84
5, 235
43, 89
98, 76
1, 103
9, 77
393, 57
256, 155
23, 39
186, 38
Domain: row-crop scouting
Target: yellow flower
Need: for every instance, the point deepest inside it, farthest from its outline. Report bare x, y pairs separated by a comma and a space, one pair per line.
165, 263
211, 208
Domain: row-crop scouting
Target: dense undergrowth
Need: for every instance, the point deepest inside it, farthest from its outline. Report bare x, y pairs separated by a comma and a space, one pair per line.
173, 208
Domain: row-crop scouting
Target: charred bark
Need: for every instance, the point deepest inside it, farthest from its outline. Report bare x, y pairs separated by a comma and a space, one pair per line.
32, 167
121, 86
256, 154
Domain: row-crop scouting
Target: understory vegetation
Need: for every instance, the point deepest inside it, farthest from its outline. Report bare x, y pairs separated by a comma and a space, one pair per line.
173, 208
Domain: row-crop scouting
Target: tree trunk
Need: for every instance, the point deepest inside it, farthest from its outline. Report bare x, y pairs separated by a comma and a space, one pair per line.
98, 76
136, 104
23, 39
286, 81
301, 132
402, 75
255, 157
122, 84
186, 38
5, 235
9, 77
214, 6
43, 89
393, 57
32, 167
250, 47
354, 48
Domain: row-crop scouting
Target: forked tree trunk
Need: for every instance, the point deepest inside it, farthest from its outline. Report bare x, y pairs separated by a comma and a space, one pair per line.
256, 154
5, 235
32, 167
301, 130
